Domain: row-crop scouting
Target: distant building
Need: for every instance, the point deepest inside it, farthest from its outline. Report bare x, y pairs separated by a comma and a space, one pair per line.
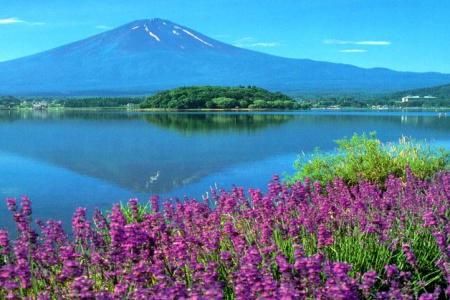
41, 105
407, 98
380, 107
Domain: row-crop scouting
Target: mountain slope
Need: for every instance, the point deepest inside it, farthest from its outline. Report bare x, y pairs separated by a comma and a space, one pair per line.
150, 55
441, 91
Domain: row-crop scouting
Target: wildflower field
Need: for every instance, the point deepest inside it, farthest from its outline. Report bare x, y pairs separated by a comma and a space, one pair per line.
298, 241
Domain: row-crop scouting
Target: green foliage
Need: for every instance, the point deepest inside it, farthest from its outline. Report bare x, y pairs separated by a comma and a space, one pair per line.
339, 101
72, 102
215, 97
99, 102
364, 157
224, 102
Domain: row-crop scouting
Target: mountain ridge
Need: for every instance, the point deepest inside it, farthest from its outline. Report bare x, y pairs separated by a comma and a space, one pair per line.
150, 55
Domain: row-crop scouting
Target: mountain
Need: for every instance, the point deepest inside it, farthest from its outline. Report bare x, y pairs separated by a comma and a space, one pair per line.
150, 55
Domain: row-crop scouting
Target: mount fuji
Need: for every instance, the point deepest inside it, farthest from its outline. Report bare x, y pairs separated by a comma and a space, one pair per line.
145, 56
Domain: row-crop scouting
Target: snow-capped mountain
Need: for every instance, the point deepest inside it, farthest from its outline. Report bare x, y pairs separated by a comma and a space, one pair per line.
149, 55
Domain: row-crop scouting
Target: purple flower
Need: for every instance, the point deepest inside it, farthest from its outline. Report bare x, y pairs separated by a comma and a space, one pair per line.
391, 271
368, 280
26, 206
71, 267
282, 263
82, 288
410, 257
11, 204
133, 205
80, 226
4, 242
429, 219
324, 236
154, 201
22, 266
7, 278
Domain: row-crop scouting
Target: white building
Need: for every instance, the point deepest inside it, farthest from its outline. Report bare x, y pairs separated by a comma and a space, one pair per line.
407, 98
41, 105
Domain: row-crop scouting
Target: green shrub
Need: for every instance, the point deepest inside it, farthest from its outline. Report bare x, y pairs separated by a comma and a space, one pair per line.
363, 157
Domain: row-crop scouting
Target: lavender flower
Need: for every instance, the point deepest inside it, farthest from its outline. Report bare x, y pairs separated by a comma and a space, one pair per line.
410, 257
324, 236
302, 241
82, 288
429, 219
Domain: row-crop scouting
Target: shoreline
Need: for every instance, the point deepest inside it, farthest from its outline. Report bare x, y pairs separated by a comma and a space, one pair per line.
342, 109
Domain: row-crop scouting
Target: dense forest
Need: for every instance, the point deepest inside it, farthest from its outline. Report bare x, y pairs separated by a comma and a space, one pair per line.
100, 102
441, 92
214, 97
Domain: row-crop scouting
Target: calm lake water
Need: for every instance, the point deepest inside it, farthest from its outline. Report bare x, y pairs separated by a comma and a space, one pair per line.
63, 160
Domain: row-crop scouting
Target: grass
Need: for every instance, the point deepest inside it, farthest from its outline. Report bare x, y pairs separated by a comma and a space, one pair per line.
364, 157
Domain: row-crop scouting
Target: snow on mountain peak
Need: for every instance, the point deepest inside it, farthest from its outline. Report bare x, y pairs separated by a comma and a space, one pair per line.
151, 33
166, 31
196, 37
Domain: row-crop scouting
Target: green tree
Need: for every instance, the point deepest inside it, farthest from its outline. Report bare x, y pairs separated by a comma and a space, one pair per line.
224, 102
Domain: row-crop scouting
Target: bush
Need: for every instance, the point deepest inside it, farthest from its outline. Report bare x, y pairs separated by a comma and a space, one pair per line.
363, 157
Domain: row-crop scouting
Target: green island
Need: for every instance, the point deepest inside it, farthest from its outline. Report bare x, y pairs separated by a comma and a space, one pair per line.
215, 97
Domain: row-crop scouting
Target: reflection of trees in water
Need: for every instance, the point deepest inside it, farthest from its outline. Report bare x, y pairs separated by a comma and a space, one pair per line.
55, 115
191, 123
222, 121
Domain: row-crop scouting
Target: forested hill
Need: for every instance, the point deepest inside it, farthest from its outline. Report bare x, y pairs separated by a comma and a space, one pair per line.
441, 91
214, 97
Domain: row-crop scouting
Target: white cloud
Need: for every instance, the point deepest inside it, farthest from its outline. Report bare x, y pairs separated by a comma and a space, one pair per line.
353, 50
250, 42
10, 21
103, 27
374, 43
362, 43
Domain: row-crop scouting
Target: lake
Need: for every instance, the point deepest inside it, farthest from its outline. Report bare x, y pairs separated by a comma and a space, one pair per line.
63, 160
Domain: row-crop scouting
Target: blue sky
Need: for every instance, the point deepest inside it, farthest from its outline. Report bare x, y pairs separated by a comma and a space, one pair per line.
409, 35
